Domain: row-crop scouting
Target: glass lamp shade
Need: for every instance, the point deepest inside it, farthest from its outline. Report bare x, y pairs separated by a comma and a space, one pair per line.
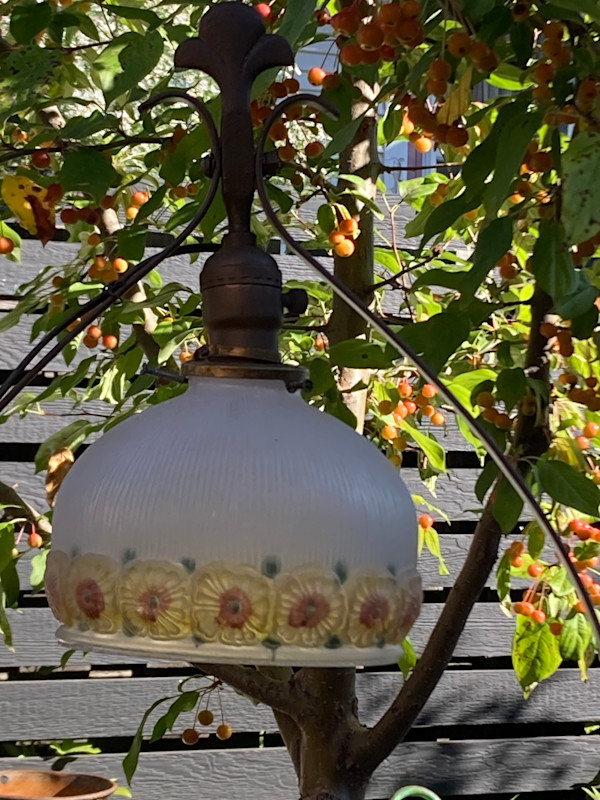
235, 523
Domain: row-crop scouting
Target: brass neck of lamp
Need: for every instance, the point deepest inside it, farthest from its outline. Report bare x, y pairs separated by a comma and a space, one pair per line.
242, 303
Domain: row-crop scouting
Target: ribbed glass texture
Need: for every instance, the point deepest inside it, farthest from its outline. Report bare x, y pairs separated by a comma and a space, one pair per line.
234, 472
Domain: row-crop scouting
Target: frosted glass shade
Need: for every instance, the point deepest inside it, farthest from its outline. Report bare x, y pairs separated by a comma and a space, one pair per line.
235, 523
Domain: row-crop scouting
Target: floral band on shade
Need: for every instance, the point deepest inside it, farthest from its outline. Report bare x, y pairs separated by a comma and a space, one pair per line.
232, 604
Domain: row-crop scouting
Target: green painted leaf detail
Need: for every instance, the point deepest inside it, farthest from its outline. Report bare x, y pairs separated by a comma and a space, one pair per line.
535, 653
568, 486
580, 207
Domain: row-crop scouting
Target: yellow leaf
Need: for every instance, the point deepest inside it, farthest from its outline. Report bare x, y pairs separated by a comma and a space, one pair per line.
31, 205
458, 100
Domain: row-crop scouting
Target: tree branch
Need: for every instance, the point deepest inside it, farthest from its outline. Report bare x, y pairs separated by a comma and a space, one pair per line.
371, 747
272, 692
13, 502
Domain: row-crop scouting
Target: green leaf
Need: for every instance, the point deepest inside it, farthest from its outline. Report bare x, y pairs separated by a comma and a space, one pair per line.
535, 653
130, 761
295, 18
82, 127
38, 568
437, 338
7, 542
568, 486
356, 353
185, 702
28, 20
87, 171
486, 478
580, 195
408, 659
445, 215
277, 195
326, 218
137, 59
439, 277
512, 145
575, 637
131, 243
521, 39
130, 12
493, 242
536, 539
589, 7
5, 628
511, 386
321, 376
559, 581
70, 436
507, 506
503, 577
433, 450
432, 542
551, 263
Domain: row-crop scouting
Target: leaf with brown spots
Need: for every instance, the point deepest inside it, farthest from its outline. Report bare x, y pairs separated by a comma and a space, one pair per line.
58, 466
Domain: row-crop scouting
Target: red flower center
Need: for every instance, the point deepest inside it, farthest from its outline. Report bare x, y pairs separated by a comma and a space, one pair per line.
309, 611
154, 602
235, 608
376, 608
89, 598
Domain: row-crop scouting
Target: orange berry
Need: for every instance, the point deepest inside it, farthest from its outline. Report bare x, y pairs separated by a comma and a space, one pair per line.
314, 149
457, 136
503, 421
535, 569
205, 717
94, 239
426, 521
131, 212
556, 628
405, 388
6, 245
224, 731
185, 355
110, 341
190, 736
346, 21
411, 9
459, 44
95, 331
35, 540
410, 32
438, 418
410, 406
120, 265
428, 410
349, 226
369, 36
554, 30
429, 390
538, 616
350, 54
591, 430
320, 342
316, 75
582, 442
90, 341
287, 152
344, 249
440, 69
422, 143
336, 236
389, 432
139, 198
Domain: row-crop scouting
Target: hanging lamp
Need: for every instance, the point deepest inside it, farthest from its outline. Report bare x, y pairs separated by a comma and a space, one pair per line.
234, 523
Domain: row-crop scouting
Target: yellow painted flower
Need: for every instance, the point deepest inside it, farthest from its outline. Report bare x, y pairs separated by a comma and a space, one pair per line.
57, 566
372, 609
91, 593
155, 599
310, 607
231, 604
410, 593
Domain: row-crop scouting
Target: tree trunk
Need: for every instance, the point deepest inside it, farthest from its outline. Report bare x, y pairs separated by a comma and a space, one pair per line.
325, 726
359, 158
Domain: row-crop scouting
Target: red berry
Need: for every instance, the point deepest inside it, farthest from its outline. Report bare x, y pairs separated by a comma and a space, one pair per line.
34, 539
538, 616
40, 159
426, 521
591, 430
429, 390
264, 9
535, 569
110, 341
6, 245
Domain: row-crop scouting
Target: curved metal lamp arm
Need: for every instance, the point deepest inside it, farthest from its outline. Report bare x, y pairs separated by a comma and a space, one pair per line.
88, 312
507, 468
415, 791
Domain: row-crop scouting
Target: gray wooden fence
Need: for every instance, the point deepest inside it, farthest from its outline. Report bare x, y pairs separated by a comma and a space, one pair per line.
476, 736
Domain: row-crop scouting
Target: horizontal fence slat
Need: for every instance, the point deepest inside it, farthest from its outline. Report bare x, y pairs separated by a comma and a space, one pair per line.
104, 707
450, 768
487, 634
